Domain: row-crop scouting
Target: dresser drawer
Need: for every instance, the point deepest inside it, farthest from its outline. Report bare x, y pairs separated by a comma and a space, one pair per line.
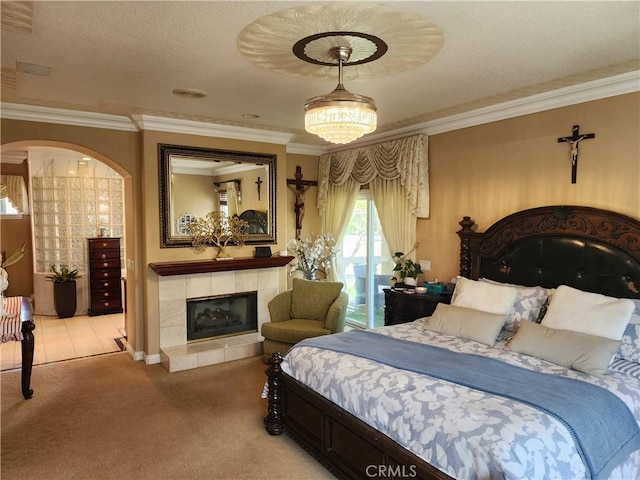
109, 264
104, 243
108, 283
110, 254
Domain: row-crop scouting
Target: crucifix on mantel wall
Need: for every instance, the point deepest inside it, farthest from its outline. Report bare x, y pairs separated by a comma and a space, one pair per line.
298, 186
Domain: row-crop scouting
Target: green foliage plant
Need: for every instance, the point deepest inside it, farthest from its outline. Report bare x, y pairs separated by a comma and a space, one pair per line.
63, 274
405, 266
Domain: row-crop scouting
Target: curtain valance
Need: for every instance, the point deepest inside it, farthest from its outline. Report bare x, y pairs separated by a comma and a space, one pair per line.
14, 188
405, 159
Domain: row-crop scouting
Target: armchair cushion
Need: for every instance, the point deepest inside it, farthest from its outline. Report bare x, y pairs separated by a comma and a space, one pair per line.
311, 299
293, 331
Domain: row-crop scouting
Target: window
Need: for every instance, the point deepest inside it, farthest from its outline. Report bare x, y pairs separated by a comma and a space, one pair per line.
6, 208
366, 264
224, 202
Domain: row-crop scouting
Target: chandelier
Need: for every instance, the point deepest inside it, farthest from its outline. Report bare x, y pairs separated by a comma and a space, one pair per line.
340, 116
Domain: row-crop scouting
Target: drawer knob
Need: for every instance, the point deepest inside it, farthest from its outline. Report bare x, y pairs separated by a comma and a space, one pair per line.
106, 294
105, 264
103, 256
106, 284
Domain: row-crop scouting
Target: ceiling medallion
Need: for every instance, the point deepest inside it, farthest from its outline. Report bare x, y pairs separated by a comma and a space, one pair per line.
332, 35
413, 39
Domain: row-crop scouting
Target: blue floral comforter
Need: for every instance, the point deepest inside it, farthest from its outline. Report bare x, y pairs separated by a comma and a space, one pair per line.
464, 432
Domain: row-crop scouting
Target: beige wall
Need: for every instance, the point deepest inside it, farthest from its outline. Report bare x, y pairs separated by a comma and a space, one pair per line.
489, 171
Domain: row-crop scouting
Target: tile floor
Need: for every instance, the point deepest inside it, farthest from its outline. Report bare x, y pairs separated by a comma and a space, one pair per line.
58, 339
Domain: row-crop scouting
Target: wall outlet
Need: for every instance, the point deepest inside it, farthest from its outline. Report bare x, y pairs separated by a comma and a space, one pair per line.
425, 265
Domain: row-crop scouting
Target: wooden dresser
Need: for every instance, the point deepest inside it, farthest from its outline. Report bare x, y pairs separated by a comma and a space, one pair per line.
401, 307
105, 282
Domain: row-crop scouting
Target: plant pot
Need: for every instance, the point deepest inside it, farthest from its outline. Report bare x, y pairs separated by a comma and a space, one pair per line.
410, 281
64, 298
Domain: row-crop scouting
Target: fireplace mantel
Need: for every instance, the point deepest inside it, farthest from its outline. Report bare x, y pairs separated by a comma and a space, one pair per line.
165, 269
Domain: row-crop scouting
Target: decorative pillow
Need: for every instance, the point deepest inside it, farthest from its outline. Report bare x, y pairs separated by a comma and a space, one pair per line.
528, 304
630, 347
625, 366
466, 323
484, 296
590, 313
578, 351
310, 299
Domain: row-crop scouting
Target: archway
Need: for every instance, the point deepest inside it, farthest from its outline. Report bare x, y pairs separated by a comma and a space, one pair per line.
16, 150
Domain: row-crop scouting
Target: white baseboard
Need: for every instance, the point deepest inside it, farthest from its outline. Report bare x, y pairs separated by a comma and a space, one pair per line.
151, 359
133, 354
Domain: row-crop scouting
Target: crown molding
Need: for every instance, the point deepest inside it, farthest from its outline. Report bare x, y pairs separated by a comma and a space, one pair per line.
34, 113
305, 149
562, 97
172, 125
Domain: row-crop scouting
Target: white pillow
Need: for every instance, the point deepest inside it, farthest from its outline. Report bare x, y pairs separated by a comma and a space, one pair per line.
484, 296
589, 313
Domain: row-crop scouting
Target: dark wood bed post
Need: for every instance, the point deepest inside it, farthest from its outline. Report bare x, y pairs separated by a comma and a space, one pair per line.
465, 240
28, 344
273, 420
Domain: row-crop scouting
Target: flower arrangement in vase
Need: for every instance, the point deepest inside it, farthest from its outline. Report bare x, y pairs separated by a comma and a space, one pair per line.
218, 230
312, 255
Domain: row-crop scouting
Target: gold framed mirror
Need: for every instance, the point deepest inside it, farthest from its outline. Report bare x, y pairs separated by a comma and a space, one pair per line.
195, 181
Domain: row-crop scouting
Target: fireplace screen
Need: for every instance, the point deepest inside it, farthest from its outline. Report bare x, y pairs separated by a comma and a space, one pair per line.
222, 315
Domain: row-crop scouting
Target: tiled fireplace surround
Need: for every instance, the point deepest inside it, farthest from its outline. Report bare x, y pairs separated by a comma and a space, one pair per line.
174, 290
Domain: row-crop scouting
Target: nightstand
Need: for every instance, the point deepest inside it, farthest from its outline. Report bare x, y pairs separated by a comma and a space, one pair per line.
402, 307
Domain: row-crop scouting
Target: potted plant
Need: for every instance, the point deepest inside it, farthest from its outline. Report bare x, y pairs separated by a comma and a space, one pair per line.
64, 290
406, 270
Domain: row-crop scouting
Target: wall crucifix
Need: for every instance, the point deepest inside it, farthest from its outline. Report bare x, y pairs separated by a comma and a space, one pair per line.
573, 140
298, 186
258, 183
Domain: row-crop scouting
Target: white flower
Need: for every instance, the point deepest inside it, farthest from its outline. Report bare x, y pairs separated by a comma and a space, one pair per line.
312, 254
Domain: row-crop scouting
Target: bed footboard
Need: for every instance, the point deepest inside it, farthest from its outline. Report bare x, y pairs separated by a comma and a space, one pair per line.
344, 444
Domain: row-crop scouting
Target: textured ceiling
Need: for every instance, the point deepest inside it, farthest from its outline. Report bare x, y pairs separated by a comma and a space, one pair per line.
126, 58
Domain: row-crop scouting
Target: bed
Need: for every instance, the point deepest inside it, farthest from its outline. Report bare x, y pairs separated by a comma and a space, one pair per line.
576, 276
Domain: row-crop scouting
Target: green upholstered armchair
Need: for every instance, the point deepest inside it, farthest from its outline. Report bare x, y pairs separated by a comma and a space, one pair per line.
309, 309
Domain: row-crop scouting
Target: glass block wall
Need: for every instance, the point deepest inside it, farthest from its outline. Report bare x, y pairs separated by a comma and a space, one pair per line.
67, 211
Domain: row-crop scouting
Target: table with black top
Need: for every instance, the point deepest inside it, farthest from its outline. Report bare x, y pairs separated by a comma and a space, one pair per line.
403, 307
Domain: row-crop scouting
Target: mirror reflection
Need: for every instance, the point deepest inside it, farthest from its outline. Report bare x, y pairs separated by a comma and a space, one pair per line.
196, 181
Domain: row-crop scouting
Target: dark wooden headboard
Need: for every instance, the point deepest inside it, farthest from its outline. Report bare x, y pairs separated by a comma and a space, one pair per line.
586, 248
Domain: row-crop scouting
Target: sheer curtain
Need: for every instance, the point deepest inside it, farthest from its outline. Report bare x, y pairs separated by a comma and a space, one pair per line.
14, 188
398, 174
233, 199
341, 200
396, 219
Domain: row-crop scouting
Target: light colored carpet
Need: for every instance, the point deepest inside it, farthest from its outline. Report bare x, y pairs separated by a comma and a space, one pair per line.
109, 417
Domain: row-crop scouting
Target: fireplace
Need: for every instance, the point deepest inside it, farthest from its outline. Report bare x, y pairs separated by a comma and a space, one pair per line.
222, 315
